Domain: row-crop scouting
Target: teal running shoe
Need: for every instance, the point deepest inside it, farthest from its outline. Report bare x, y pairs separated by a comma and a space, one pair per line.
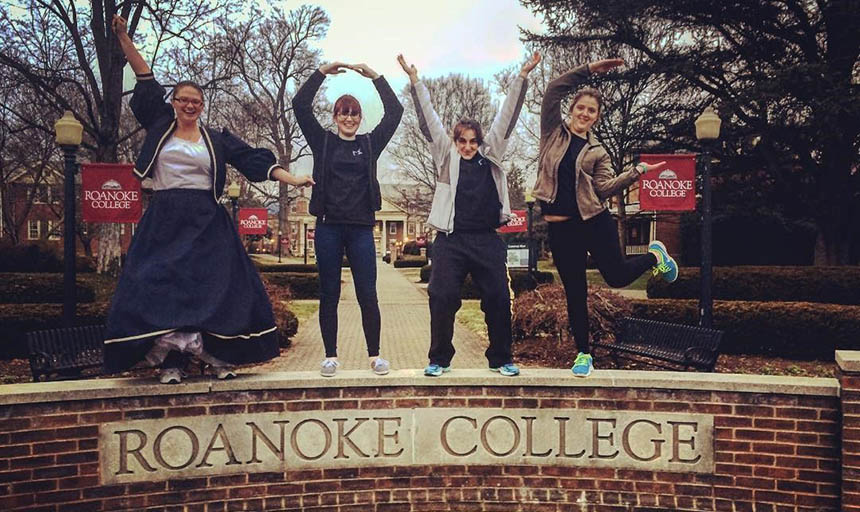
507, 369
666, 265
583, 365
434, 370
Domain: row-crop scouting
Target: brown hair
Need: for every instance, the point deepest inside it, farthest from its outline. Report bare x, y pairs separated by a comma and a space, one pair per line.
347, 104
468, 124
588, 91
187, 83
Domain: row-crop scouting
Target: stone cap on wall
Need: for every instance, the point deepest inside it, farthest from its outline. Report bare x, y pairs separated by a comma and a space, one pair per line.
848, 360
139, 387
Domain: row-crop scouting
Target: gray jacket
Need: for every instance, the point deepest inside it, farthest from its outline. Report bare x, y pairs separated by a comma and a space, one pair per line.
447, 160
595, 178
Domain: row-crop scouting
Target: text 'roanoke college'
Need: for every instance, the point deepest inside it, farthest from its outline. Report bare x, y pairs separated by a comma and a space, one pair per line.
179, 447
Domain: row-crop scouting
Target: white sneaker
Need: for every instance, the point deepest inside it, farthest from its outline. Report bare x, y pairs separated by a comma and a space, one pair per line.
171, 376
223, 372
380, 366
328, 367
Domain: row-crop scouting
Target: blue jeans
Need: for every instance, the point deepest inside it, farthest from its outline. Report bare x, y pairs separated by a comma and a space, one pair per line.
331, 241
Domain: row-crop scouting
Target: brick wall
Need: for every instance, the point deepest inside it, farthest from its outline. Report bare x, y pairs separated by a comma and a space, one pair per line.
773, 452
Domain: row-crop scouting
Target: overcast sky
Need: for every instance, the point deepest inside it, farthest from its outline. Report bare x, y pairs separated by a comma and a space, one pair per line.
474, 37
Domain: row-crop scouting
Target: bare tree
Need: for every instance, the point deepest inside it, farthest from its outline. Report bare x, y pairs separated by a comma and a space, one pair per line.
269, 56
454, 97
71, 60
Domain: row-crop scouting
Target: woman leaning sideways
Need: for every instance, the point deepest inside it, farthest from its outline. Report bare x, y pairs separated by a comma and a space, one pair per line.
575, 179
188, 287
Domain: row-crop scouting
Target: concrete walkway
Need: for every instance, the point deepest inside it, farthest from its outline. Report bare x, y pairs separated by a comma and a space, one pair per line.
405, 334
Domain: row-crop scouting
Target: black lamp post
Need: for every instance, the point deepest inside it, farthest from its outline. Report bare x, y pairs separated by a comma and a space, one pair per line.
233, 194
68, 136
707, 131
530, 203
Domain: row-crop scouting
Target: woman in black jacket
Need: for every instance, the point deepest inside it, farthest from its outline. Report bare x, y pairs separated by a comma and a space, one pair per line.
344, 201
188, 287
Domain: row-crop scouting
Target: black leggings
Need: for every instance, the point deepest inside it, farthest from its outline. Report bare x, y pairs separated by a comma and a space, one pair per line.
569, 240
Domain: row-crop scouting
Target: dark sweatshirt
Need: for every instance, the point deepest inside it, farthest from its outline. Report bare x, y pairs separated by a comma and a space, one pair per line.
323, 143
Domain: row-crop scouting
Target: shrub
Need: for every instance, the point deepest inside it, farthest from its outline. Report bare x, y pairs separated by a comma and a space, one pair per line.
287, 267
521, 281
288, 324
16, 320
837, 285
40, 288
412, 248
790, 329
38, 257
301, 285
410, 262
540, 323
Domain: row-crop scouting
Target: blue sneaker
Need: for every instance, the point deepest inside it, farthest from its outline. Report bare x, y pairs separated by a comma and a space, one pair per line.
665, 264
583, 365
507, 369
434, 370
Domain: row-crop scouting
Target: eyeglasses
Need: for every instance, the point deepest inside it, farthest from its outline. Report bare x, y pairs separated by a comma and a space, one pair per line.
184, 101
354, 115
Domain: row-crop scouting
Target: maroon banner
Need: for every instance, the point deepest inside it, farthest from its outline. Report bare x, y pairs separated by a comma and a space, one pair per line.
253, 221
110, 193
517, 224
671, 189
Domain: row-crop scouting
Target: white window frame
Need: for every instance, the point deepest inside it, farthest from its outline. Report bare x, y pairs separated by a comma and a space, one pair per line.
392, 228
30, 224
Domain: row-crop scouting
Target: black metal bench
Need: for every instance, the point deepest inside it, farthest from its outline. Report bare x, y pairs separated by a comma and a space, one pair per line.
664, 344
58, 354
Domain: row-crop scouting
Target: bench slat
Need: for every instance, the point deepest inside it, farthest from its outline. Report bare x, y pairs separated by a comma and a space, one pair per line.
65, 351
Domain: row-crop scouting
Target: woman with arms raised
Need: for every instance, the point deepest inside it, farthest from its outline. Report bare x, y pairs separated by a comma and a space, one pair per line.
469, 203
345, 202
188, 287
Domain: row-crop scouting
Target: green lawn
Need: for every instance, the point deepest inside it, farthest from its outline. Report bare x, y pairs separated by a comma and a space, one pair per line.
303, 309
471, 316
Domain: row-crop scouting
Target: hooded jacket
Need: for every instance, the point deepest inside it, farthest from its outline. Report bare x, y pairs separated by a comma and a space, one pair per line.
446, 159
595, 178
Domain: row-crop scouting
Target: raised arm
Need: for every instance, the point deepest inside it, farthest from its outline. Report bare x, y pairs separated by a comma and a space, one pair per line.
506, 119
147, 101
392, 109
558, 89
120, 28
303, 102
428, 120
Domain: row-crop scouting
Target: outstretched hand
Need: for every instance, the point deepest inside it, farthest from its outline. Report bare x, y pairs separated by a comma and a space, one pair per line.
602, 66
334, 68
530, 64
364, 70
409, 69
119, 25
659, 166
